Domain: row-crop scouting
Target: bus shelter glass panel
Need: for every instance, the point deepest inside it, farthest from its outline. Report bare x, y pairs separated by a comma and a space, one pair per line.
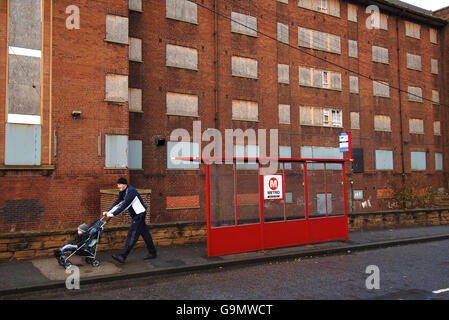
295, 205
274, 210
222, 193
316, 190
335, 189
247, 196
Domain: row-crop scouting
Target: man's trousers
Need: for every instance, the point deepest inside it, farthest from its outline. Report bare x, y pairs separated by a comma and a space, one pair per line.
138, 228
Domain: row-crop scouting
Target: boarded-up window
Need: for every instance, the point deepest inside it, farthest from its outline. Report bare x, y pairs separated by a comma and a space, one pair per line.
284, 73
246, 151
381, 89
412, 30
382, 123
380, 54
434, 66
116, 88
284, 113
418, 160
353, 50
318, 116
135, 154
437, 128
116, 151
319, 40
25, 20
116, 29
23, 144
414, 62
322, 153
135, 49
283, 1
414, 94
435, 97
384, 160
24, 83
244, 67
182, 104
416, 126
181, 57
245, 110
285, 152
135, 5
324, 79
433, 35
352, 12
176, 149
243, 23
305, 76
182, 10
355, 120
331, 7
353, 84
24, 61
282, 32
135, 99
438, 161
379, 21
306, 116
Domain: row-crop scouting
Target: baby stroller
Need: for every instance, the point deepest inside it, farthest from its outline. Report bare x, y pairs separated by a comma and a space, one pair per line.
89, 248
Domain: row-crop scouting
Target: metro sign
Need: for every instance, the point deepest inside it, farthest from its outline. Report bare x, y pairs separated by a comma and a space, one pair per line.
272, 187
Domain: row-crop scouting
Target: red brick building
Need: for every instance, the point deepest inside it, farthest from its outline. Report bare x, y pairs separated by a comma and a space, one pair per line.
92, 90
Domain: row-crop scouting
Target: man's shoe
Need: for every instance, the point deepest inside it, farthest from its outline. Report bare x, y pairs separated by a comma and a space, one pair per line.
119, 258
150, 256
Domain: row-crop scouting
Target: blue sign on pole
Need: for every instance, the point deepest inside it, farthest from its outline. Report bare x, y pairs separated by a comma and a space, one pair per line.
344, 142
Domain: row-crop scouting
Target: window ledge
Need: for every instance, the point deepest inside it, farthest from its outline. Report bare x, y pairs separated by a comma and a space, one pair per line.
112, 101
248, 120
136, 60
185, 68
116, 42
45, 167
245, 34
331, 89
183, 115
181, 20
244, 77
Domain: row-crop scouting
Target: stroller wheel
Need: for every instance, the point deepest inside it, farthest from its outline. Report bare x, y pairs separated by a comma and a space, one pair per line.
89, 260
95, 263
61, 261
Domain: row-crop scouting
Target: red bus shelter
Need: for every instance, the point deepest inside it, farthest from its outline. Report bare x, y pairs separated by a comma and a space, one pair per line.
303, 202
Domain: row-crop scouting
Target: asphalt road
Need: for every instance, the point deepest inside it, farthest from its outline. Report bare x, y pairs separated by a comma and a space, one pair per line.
411, 272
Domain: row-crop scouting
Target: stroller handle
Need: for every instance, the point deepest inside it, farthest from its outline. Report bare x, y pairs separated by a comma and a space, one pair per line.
107, 220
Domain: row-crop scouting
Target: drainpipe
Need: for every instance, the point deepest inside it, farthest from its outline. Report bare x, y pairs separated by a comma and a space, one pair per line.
400, 104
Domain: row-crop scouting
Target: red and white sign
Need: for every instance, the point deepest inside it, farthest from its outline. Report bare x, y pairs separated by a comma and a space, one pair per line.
272, 187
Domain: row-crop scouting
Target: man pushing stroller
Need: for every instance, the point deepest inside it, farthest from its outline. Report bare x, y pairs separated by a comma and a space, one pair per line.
130, 199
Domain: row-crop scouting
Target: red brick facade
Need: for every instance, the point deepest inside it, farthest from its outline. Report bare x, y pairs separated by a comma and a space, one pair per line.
65, 190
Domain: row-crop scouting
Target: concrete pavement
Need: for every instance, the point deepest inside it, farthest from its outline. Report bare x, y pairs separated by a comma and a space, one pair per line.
45, 273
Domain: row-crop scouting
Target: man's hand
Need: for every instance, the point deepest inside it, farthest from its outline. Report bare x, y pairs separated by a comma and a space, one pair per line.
107, 214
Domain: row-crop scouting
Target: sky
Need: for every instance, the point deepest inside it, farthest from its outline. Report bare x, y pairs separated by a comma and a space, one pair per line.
429, 4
